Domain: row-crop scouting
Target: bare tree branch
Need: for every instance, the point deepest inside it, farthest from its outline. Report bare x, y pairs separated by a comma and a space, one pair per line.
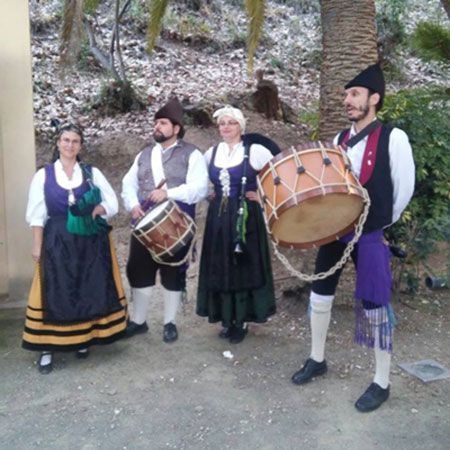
115, 39
98, 54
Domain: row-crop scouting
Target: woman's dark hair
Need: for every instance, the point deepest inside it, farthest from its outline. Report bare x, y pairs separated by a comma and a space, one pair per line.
62, 129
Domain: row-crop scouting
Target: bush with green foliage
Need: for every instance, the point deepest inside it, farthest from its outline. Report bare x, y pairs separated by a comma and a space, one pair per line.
424, 115
390, 25
432, 41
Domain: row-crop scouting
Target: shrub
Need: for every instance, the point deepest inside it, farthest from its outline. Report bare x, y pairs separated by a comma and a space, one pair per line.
432, 41
390, 25
424, 115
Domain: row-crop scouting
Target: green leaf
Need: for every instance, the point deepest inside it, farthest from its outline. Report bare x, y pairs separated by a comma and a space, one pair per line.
255, 12
157, 11
91, 6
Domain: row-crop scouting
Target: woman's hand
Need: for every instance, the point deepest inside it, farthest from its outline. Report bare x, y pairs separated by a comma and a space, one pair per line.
211, 196
252, 196
36, 252
99, 210
36, 249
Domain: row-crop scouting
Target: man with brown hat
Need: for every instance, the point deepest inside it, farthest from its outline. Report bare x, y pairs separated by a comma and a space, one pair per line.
170, 169
382, 158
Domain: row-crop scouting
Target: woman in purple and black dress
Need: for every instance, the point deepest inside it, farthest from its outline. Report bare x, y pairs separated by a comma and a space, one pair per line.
235, 281
76, 298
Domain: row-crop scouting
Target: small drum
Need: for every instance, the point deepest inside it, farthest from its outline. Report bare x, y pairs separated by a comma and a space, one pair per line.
310, 195
165, 230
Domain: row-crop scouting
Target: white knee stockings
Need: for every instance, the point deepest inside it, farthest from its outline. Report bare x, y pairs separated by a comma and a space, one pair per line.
320, 320
172, 301
141, 299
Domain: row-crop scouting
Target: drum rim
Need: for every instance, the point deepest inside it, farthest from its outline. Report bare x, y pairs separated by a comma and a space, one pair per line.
164, 204
313, 145
316, 243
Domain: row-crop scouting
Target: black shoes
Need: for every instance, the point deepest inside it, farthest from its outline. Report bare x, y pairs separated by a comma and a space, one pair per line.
234, 333
372, 399
134, 328
170, 333
310, 370
82, 353
237, 334
225, 333
45, 368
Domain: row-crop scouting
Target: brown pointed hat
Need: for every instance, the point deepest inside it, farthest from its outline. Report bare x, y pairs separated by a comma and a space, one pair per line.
173, 111
370, 78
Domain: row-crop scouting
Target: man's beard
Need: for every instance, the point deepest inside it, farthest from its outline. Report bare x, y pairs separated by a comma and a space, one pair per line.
363, 110
160, 137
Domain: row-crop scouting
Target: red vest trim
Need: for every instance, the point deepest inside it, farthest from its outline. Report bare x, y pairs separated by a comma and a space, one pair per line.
370, 154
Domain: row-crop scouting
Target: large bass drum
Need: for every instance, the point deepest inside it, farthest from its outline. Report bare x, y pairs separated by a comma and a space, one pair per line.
310, 195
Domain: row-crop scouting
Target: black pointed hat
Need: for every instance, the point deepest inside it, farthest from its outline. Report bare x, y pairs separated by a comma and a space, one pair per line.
370, 78
173, 111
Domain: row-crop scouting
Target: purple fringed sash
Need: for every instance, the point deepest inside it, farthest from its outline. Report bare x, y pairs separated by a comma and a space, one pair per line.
373, 284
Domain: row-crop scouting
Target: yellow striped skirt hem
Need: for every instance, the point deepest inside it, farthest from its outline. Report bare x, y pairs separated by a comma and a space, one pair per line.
42, 336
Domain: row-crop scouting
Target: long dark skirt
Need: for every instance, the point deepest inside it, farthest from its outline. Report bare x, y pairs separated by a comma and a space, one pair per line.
235, 288
76, 298
78, 283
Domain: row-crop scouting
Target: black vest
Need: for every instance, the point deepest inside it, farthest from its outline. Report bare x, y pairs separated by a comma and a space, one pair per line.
379, 186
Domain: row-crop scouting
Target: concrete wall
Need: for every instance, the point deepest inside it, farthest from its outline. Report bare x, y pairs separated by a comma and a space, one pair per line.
17, 153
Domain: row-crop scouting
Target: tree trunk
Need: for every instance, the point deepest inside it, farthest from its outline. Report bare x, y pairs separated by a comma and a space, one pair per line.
349, 43
446, 5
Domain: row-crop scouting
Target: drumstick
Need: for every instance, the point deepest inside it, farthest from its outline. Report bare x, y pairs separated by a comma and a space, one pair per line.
161, 184
147, 202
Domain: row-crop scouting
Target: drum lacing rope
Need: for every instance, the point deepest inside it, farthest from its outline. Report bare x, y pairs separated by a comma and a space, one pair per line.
176, 263
340, 264
300, 169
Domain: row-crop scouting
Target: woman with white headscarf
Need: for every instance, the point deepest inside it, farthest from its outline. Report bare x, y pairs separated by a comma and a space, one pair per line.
235, 281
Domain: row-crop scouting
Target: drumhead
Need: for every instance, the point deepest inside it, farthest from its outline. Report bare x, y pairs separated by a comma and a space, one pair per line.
318, 220
151, 214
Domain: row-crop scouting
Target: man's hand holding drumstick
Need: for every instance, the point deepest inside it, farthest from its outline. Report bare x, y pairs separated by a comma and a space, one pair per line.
158, 195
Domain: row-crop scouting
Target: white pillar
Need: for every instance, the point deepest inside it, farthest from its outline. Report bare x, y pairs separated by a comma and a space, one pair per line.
17, 152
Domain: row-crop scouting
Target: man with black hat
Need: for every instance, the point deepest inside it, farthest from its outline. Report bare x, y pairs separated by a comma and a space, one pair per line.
170, 169
381, 157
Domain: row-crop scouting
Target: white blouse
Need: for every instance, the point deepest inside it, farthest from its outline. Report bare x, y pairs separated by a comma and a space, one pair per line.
259, 156
37, 214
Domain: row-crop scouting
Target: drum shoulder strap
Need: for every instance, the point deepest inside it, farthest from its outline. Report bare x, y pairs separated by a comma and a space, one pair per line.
213, 154
342, 135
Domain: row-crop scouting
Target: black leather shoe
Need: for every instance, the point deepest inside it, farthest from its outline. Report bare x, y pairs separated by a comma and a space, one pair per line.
45, 368
310, 370
82, 355
225, 333
170, 332
134, 328
237, 334
372, 399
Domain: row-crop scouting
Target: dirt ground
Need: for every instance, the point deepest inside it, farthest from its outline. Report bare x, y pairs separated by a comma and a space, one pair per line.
144, 394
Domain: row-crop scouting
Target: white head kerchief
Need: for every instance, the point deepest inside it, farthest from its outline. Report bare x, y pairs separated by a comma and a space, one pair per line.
230, 111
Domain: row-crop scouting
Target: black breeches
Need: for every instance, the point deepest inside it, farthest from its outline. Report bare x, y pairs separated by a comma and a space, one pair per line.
327, 257
142, 269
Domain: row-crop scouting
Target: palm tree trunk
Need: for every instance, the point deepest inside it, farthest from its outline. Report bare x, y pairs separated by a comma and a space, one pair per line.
349, 42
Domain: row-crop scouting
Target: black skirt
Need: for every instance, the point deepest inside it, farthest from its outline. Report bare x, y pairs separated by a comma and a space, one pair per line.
77, 277
235, 288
